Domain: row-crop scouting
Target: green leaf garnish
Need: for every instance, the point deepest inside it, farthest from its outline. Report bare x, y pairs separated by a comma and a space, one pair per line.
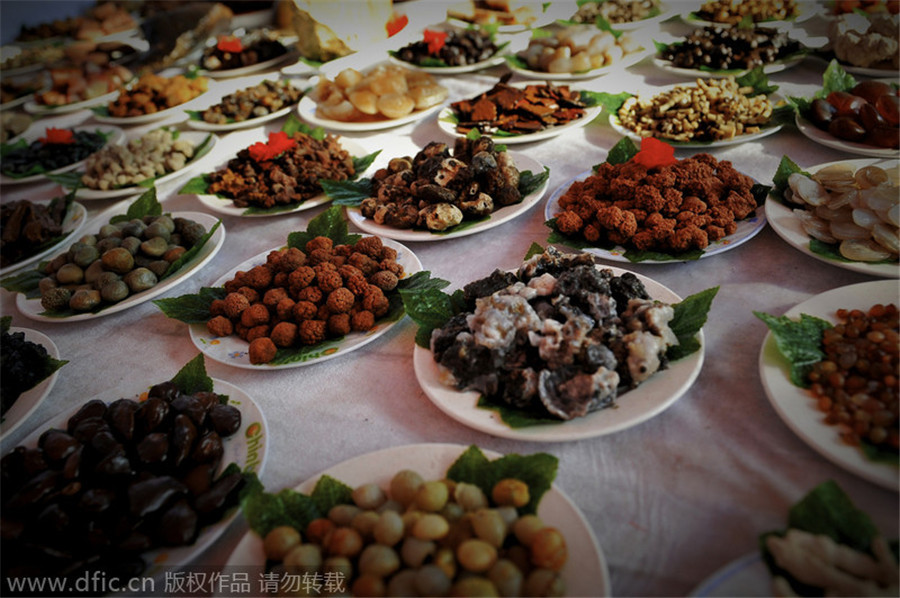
690, 316
330, 492
530, 182
145, 205
188, 255
330, 223
623, 151
533, 250
799, 341
426, 304
537, 470
348, 193
758, 81
361, 164
193, 308
611, 102
192, 378
199, 185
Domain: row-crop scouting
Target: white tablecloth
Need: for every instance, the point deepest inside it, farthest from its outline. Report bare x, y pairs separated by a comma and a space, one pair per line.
670, 500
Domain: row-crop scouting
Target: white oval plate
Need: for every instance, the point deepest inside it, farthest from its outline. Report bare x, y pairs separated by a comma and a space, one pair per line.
825, 138
249, 69
494, 60
22, 99
446, 117
31, 308
250, 458
234, 351
787, 225
695, 21
29, 400
196, 136
585, 573
116, 137
43, 110
796, 406
746, 230
221, 205
747, 576
299, 68
769, 69
202, 125
766, 130
665, 13
497, 218
626, 61
143, 119
630, 409
72, 223
306, 109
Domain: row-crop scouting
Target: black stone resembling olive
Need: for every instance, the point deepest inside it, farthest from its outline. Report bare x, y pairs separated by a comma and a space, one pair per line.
88, 428
207, 399
57, 445
178, 525
822, 112
104, 442
150, 495
153, 448
114, 464
199, 479
217, 496
53, 519
136, 542
844, 127
225, 419
192, 407
34, 490
72, 467
209, 448
93, 408
120, 417
151, 414
164, 390
96, 500
183, 435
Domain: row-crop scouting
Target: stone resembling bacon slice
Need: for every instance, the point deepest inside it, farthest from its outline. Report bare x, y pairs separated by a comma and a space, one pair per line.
518, 111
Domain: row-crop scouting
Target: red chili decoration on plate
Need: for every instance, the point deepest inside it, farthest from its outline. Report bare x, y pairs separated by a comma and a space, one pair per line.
278, 143
435, 40
230, 43
58, 136
655, 153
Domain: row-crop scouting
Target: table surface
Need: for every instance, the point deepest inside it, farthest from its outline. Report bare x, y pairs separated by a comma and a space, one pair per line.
670, 500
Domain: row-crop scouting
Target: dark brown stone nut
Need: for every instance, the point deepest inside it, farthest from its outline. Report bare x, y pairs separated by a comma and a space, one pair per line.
159, 267
157, 230
191, 232
83, 255
132, 244
140, 279
114, 291
70, 274
56, 299
154, 247
118, 260
85, 300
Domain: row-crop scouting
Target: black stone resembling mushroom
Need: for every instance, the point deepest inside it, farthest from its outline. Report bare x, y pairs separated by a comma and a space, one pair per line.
178, 525
150, 495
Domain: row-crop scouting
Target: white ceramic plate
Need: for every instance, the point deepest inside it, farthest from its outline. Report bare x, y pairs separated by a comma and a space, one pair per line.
44, 110
234, 351
497, 218
747, 576
446, 121
31, 308
546, 17
143, 119
202, 125
307, 111
250, 69
72, 223
196, 136
626, 61
299, 68
23, 99
746, 230
807, 12
29, 400
630, 409
494, 60
825, 138
227, 207
769, 69
796, 406
585, 573
665, 12
787, 225
765, 131
238, 449
116, 136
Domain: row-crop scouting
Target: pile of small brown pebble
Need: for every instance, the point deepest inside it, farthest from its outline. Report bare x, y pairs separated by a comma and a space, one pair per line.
304, 297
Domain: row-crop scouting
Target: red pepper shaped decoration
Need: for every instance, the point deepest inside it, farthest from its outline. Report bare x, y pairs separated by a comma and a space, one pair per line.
655, 153
435, 40
395, 25
230, 43
278, 143
58, 136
